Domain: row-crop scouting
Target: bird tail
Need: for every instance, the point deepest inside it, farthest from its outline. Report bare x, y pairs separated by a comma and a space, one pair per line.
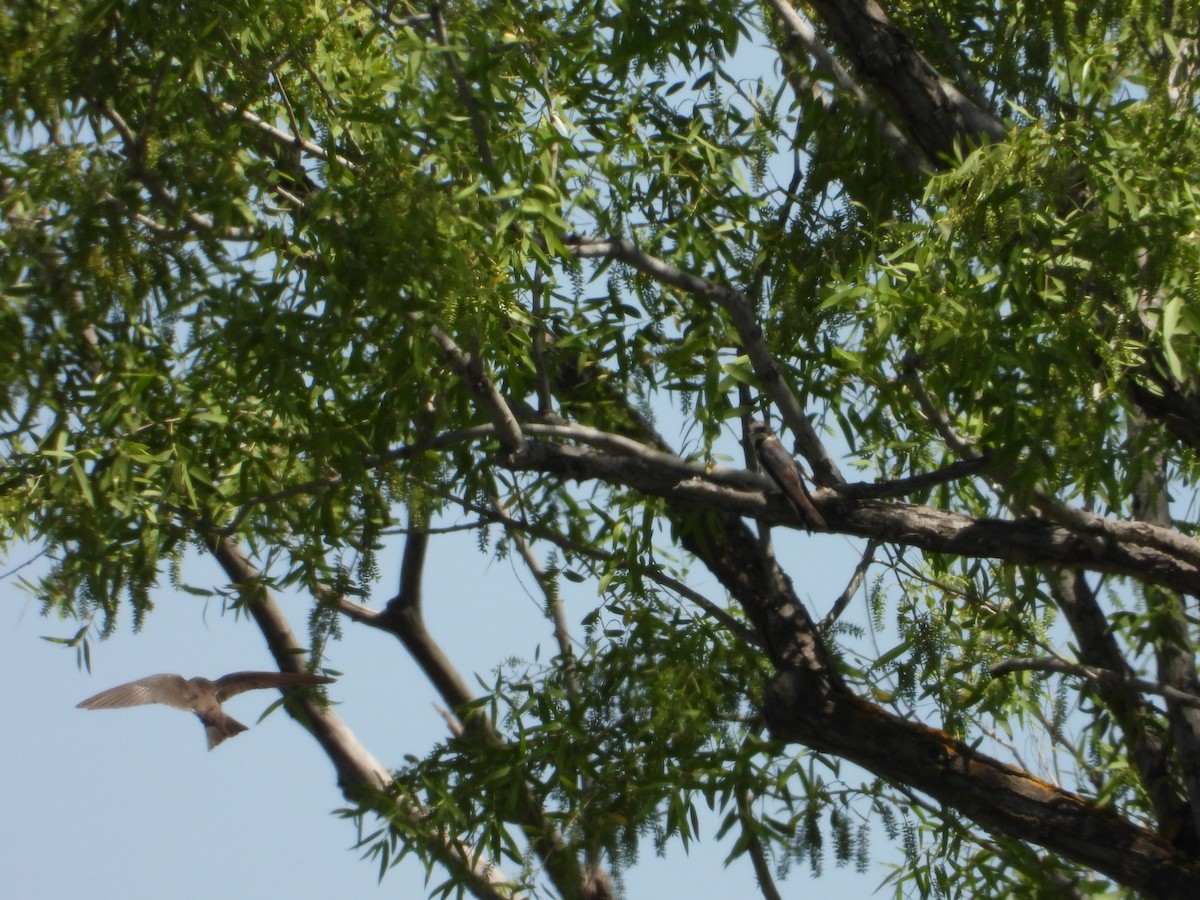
217, 730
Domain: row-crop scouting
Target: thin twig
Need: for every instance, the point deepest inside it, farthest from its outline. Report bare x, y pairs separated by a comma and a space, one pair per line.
554, 604
963, 446
758, 853
386, 16
478, 126
899, 487
133, 155
856, 580
651, 573
288, 139
508, 429
1094, 674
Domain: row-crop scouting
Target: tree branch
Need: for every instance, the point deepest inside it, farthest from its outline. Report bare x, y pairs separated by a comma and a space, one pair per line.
651, 573
856, 580
1095, 675
756, 850
801, 33
934, 112
1139, 722
900, 487
403, 618
474, 116
999, 797
1022, 541
808, 701
469, 368
741, 314
360, 776
132, 150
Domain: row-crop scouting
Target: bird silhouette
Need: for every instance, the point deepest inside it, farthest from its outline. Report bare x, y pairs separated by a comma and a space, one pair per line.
199, 695
778, 463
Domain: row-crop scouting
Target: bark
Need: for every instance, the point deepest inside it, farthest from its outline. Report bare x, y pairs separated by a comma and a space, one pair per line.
361, 778
938, 118
1023, 541
999, 797
403, 618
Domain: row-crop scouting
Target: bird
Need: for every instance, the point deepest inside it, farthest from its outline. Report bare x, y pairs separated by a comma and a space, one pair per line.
778, 463
199, 695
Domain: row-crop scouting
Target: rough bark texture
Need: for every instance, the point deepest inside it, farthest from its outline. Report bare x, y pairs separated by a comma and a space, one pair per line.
997, 796
937, 116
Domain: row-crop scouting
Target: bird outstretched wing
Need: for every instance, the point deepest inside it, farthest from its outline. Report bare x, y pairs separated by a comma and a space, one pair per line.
238, 682
169, 689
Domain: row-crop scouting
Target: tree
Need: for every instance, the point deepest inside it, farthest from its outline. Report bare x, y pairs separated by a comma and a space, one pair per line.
282, 278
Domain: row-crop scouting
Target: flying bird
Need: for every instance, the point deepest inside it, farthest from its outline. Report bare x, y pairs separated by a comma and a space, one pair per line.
778, 463
199, 695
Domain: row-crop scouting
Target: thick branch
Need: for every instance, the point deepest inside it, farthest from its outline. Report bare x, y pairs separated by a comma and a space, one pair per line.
997, 796
1022, 541
1139, 721
1169, 403
1174, 644
1176, 657
800, 33
808, 701
934, 112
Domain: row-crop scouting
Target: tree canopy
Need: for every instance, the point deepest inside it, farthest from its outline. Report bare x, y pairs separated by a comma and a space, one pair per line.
296, 284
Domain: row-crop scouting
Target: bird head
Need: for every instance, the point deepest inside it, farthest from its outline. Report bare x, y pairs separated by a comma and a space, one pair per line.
760, 431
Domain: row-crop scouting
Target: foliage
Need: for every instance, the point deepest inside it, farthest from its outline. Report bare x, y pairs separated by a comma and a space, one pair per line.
279, 276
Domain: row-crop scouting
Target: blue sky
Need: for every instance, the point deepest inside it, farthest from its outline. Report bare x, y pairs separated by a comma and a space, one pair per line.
129, 803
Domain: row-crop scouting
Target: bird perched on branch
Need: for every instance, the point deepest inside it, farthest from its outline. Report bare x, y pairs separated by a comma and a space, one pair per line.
778, 463
199, 695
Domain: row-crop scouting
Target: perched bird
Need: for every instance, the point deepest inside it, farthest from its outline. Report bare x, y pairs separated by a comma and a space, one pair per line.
778, 463
201, 696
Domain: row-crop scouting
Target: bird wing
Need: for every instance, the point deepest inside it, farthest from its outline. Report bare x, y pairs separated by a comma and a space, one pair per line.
782, 469
237, 682
169, 689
